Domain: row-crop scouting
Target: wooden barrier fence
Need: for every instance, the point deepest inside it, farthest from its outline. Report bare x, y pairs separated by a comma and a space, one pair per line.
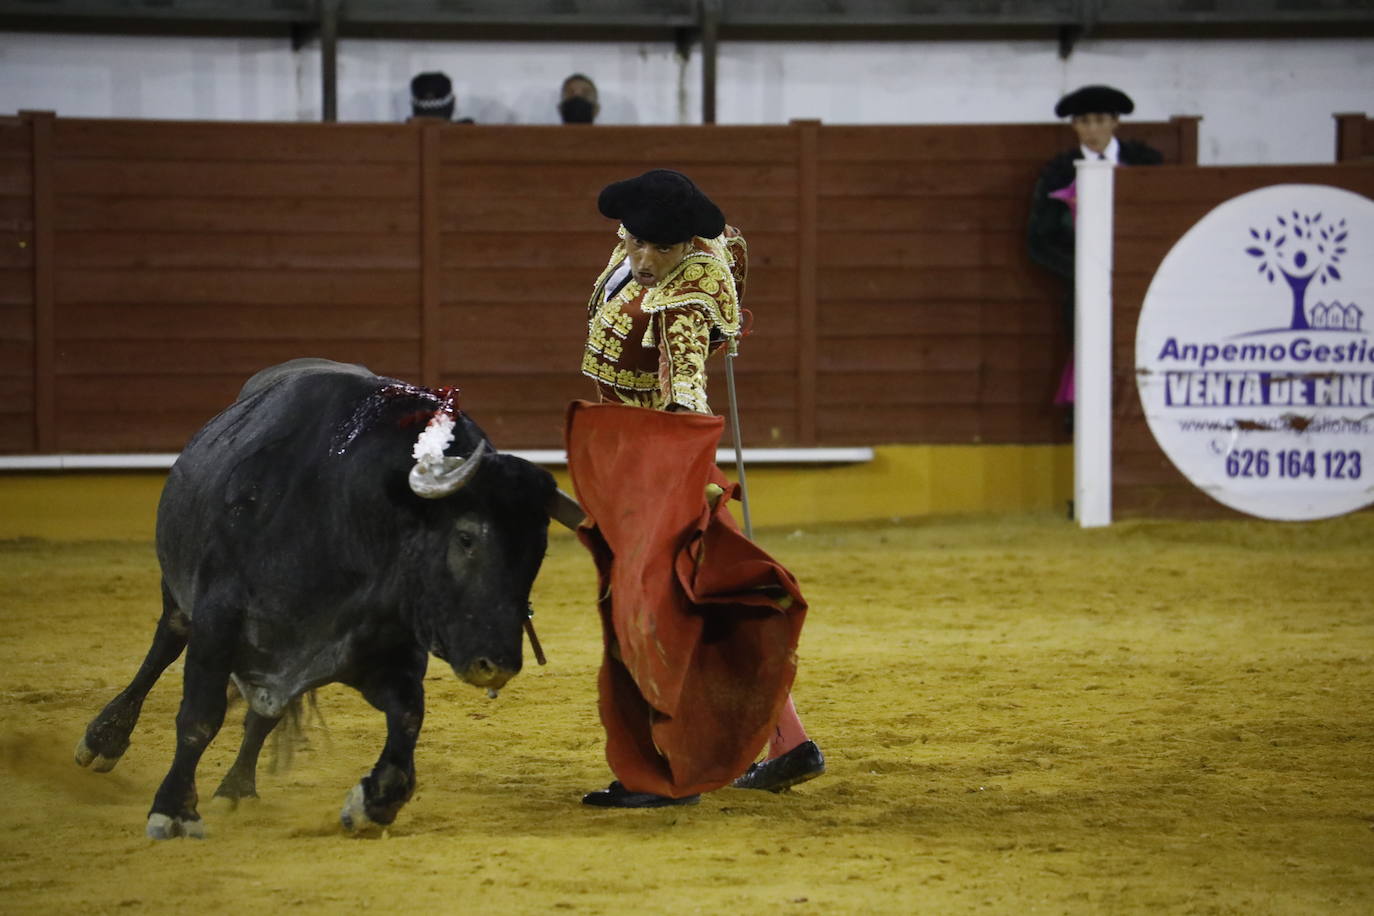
152, 266
1354, 137
1153, 209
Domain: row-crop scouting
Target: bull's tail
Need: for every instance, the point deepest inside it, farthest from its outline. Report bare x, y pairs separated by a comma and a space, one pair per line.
302, 714
291, 734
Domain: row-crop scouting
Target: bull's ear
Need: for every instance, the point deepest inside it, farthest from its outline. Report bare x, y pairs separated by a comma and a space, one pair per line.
437, 479
565, 510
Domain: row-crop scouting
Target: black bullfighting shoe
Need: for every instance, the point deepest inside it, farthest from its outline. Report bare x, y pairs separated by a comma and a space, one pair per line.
617, 796
803, 762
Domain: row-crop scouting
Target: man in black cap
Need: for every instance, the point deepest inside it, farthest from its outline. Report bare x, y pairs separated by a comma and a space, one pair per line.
1094, 112
431, 96
678, 260
696, 677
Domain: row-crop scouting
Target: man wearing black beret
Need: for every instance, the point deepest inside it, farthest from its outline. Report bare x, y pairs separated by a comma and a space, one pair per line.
669, 295
1094, 112
700, 625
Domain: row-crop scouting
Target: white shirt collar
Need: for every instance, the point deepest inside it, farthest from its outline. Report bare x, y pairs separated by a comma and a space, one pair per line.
616, 280
1112, 153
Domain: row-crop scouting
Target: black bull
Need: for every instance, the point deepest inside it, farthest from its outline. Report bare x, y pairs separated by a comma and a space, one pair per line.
295, 552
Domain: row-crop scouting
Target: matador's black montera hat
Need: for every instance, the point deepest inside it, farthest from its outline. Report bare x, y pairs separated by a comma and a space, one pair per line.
663, 207
1094, 100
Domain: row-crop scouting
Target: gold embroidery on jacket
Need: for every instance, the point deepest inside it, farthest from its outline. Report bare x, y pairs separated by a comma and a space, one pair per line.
698, 299
618, 378
682, 365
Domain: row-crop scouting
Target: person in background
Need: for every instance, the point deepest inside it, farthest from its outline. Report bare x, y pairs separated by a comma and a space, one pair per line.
1095, 113
701, 626
431, 96
577, 102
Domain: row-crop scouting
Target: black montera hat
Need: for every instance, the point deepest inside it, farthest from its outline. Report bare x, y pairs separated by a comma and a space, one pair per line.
431, 96
663, 207
1094, 100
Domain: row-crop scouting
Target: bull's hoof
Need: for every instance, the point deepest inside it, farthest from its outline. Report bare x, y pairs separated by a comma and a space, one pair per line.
354, 814
163, 827
223, 804
85, 757
235, 788
103, 764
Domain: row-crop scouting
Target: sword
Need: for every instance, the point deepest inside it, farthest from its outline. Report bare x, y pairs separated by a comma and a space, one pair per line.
730, 353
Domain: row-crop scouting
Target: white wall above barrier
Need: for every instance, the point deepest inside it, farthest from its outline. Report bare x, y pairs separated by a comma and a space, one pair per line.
1254, 110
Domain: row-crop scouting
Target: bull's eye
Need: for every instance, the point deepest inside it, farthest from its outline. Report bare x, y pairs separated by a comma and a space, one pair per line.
466, 541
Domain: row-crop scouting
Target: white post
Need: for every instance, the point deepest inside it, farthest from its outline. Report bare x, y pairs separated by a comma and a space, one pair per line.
1092, 358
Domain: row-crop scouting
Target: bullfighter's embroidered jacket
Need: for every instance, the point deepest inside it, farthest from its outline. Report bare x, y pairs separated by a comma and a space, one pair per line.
648, 347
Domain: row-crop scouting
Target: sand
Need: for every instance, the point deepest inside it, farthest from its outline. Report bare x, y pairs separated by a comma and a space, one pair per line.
1019, 717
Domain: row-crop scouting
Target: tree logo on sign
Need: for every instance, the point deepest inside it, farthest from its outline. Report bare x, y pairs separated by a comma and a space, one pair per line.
1300, 248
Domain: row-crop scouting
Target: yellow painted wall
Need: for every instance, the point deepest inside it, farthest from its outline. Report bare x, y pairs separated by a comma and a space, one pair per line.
913, 480
80, 505
902, 481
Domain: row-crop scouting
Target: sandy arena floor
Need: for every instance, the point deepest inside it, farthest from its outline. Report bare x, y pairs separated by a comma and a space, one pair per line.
1019, 717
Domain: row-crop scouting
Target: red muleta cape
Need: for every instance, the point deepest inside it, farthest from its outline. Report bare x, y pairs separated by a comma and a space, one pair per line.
700, 625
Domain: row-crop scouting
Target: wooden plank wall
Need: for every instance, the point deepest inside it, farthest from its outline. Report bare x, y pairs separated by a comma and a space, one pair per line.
1354, 137
190, 255
522, 243
1154, 208
933, 323
891, 294
17, 314
893, 300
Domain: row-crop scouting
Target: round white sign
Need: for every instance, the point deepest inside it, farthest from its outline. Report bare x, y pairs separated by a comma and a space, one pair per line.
1254, 357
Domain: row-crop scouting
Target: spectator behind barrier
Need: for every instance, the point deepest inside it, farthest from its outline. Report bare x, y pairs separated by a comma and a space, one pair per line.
578, 102
1095, 112
431, 96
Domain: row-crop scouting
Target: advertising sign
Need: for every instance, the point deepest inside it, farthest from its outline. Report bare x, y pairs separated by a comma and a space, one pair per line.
1254, 357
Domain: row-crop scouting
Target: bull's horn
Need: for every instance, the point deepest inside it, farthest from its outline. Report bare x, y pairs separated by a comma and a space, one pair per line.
446, 476
565, 510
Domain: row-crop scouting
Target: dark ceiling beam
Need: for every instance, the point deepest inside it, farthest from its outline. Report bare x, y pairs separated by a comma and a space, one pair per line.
871, 13
865, 14
1232, 12
681, 21
533, 13
675, 14
524, 13
258, 11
